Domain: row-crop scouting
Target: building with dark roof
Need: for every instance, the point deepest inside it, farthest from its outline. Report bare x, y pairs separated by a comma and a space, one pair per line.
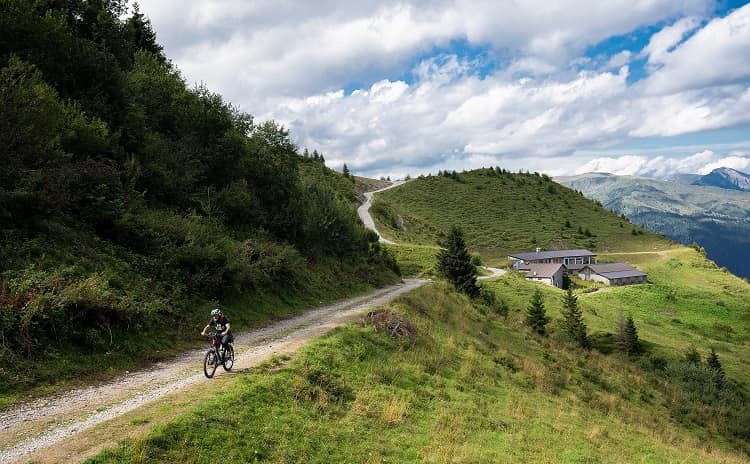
566, 257
547, 273
613, 274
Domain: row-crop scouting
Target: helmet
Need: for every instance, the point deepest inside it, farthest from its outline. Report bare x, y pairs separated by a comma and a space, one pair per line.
216, 312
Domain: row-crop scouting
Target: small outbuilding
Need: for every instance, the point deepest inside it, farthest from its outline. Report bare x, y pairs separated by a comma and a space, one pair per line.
613, 274
548, 273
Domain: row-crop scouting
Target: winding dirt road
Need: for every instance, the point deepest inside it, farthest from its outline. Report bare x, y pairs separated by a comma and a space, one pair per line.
364, 211
364, 214
49, 429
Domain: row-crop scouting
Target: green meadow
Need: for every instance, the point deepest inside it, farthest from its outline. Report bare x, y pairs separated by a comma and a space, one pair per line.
466, 382
464, 385
501, 213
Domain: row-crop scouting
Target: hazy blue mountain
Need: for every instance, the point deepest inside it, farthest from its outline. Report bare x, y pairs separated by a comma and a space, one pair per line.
726, 178
682, 178
717, 219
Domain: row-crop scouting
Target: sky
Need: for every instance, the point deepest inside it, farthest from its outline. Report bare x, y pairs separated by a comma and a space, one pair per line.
637, 87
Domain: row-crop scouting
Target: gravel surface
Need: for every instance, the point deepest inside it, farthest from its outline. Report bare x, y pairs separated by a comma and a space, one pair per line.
29, 427
364, 211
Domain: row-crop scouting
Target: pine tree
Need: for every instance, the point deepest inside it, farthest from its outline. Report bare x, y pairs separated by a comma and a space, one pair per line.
573, 324
346, 171
536, 315
454, 263
712, 361
631, 336
621, 342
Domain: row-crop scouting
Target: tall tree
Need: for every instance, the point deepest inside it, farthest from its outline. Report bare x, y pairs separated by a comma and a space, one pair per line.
626, 335
631, 334
712, 361
573, 324
141, 34
454, 263
536, 315
346, 171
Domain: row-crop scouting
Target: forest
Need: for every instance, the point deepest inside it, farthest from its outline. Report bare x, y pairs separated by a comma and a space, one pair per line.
131, 202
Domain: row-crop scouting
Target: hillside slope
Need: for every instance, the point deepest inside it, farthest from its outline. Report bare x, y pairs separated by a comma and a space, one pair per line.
717, 219
130, 204
503, 212
726, 178
436, 377
461, 385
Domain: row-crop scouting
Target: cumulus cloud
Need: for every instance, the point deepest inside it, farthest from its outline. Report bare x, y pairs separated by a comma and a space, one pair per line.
664, 41
663, 167
376, 85
715, 55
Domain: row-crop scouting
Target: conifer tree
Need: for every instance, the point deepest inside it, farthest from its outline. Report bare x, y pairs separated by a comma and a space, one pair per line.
454, 263
631, 335
626, 335
346, 171
536, 315
713, 362
573, 324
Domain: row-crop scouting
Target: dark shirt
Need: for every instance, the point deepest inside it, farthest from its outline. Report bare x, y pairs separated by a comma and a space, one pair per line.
220, 325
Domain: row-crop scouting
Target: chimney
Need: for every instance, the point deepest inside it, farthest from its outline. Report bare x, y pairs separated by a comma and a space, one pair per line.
538, 249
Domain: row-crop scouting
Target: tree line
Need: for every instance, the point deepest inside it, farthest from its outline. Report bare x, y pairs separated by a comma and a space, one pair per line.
126, 195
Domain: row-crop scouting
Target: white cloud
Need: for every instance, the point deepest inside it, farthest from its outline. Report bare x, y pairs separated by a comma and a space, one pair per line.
715, 55
662, 167
665, 40
619, 60
740, 163
291, 61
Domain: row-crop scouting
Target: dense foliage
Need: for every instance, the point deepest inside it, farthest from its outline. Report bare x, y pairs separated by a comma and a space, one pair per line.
126, 197
455, 264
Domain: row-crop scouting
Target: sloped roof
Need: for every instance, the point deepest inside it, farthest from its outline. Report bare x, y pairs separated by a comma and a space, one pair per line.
616, 270
542, 271
534, 256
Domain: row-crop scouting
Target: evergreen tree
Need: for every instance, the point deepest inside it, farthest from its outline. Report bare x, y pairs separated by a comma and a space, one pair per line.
631, 336
346, 171
536, 315
141, 34
454, 263
712, 361
573, 324
620, 336
626, 335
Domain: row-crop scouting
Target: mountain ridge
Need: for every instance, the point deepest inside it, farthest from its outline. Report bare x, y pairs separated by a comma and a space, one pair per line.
726, 178
717, 219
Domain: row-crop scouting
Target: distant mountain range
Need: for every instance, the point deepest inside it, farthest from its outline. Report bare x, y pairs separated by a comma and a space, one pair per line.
726, 178
716, 218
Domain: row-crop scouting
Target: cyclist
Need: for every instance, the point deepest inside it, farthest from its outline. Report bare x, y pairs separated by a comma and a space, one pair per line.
223, 328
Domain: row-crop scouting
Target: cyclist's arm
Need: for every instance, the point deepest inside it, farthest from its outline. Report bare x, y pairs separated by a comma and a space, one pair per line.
205, 328
229, 327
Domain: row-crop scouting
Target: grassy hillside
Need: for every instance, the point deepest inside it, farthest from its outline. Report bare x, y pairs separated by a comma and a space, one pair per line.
130, 203
717, 219
472, 386
502, 212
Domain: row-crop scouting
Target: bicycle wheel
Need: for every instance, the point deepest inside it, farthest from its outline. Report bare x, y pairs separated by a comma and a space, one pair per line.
210, 363
229, 358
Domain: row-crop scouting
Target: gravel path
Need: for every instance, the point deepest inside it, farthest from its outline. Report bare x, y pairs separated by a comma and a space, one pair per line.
495, 272
364, 211
31, 427
364, 214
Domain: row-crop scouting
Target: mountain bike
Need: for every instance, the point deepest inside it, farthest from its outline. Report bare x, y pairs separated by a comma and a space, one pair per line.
217, 355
